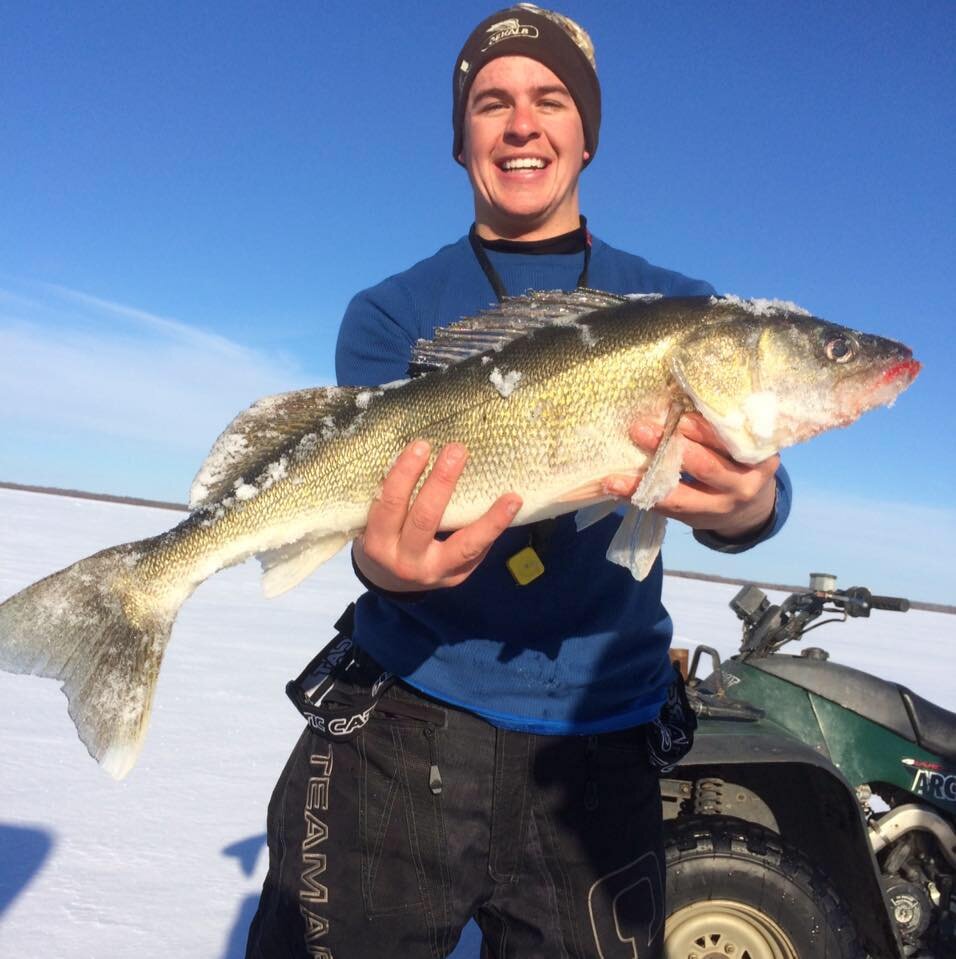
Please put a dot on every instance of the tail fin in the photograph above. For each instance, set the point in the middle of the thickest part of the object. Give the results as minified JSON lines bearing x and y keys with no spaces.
{"x":98,"y":628}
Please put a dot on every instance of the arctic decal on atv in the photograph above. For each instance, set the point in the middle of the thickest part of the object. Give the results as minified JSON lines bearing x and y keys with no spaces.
{"x":935,"y":785}
{"x":932,"y":780}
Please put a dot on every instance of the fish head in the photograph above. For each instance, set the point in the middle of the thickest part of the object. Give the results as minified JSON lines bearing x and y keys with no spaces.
{"x":772,"y":378}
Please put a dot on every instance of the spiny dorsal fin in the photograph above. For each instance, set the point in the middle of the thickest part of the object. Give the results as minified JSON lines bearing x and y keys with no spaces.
{"x":258,"y":437}
{"x":514,"y":317}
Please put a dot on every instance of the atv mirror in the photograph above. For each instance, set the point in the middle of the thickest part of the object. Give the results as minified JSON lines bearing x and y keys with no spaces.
{"x":749,"y":603}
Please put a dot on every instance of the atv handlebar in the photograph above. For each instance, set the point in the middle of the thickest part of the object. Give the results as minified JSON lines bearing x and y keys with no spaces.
{"x":858,"y":601}
{"x":895,"y":604}
{"x":767,"y":627}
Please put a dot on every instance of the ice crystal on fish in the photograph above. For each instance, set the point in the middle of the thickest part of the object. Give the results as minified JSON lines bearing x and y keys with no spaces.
{"x":245,"y":491}
{"x":505,"y":383}
{"x":363,"y":399}
{"x":761,"y":307}
{"x":218,"y":464}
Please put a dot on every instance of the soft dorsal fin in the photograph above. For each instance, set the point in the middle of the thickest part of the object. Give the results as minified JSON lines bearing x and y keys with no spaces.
{"x":514,"y":317}
{"x":258,"y":437}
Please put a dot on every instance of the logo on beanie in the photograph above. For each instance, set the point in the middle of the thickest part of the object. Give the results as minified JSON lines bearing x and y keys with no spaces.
{"x":509,"y":30}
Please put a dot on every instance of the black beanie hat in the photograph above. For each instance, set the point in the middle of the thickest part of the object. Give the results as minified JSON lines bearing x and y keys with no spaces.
{"x":526,"y":30}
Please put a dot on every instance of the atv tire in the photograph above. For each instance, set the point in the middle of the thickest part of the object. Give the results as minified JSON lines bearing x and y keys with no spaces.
{"x":735,"y":890}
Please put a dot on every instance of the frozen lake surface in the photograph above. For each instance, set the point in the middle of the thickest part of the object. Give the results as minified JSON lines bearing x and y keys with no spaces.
{"x":169,"y":862}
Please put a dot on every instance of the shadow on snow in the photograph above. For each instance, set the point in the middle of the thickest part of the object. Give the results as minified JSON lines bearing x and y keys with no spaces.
{"x":246,"y":852}
{"x":23,"y":850}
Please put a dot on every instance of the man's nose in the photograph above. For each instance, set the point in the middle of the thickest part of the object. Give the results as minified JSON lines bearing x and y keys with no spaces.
{"x":523,"y":123}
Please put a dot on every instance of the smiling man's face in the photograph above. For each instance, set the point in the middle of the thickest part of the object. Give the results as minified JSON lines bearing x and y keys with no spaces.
{"x":523,"y":147}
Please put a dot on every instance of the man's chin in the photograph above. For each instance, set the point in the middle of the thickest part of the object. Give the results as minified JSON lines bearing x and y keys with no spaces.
{"x":517,"y":221}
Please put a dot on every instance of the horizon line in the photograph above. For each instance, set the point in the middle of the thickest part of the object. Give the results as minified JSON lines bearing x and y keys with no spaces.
{"x":677,"y":573}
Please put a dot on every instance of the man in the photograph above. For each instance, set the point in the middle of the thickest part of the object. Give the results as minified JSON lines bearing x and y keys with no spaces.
{"x":506,"y":774}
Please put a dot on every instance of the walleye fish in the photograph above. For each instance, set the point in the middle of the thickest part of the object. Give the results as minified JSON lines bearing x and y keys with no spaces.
{"x":542,"y":391}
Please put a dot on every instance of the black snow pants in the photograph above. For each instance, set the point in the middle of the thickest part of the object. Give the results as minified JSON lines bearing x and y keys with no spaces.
{"x":384,"y":845}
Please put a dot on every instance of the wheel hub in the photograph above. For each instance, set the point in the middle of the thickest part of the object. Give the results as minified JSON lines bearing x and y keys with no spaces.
{"x":723,"y":929}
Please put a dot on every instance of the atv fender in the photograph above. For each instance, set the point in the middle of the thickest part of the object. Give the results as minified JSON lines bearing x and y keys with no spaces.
{"x":797,"y":791}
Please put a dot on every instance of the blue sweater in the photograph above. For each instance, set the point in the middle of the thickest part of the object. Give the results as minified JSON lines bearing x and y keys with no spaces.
{"x":583,"y":648}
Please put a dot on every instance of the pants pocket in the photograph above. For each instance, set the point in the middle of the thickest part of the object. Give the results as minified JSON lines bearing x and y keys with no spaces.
{"x":401,"y":827}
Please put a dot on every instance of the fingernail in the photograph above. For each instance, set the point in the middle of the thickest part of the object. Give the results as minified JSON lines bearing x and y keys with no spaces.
{"x":420,"y":448}
{"x":617,"y":487}
{"x":513,"y":507}
{"x":644,"y":434}
{"x":454,"y":454}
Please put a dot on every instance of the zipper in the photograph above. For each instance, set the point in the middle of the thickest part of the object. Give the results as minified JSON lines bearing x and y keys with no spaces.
{"x":434,"y":773}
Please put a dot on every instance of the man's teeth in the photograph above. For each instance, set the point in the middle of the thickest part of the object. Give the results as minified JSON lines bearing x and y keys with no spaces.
{"x":524,"y":163}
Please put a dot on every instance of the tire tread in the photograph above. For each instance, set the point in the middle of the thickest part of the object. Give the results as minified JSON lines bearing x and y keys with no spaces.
{"x":709,"y":836}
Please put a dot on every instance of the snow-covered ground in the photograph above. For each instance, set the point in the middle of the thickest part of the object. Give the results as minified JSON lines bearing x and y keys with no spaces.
{"x":169,"y":862}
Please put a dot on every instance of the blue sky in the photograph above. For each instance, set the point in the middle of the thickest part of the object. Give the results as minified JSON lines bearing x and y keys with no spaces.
{"x":190,"y":194}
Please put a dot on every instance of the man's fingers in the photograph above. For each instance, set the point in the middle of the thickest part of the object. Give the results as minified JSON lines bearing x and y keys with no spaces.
{"x":690,"y":499}
{"x":622,"y":484}
{"x":464,"y":549}
{"x":716,"y":492}
{"x":710,"y":467}
{"x":386,"y":515}
{"x":647,"y":434}
{"x":398,"y":549}
{"x":732,"y":503}
{"x":696,"y":428}
{"x":425,"y":514}
{"x":719,"y":472}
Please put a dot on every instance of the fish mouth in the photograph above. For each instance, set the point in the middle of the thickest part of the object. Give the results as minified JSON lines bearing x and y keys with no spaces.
{"x":906,"y":370}
{"x":888,"y":384}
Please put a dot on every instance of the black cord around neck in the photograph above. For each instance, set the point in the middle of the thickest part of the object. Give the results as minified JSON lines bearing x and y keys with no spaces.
{"x":494,"y":278}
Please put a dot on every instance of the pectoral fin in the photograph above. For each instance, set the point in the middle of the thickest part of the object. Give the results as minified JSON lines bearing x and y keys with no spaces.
{"x":639,"y":537}
{"x":638,"y":541}
{"x":663,"y":472}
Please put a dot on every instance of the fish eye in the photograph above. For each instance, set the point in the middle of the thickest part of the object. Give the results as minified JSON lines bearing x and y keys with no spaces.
{"x":840,"y":349}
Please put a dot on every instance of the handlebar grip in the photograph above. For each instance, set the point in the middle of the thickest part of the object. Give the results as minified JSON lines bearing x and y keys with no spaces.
{"x":894,"y":603}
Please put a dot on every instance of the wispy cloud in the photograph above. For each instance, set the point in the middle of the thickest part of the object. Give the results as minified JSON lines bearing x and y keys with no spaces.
{"x":170,"y":329}
{"x":78,"y":366}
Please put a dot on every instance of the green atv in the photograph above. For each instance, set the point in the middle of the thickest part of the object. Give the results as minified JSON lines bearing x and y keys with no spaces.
{"x":815,"y":816}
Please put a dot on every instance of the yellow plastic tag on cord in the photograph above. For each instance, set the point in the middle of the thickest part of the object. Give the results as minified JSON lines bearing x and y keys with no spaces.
{"x":525,"y":566}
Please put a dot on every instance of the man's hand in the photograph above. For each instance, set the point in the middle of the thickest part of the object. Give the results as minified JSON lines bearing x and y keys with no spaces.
{"x":724,"y":497}
{"x":398,"y":551}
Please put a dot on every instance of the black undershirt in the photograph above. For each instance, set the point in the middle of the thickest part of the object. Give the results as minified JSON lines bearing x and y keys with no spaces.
{"x":573,"y":242}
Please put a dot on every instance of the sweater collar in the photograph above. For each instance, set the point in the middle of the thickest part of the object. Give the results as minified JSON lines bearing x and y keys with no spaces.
{"x":575,"y":241}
